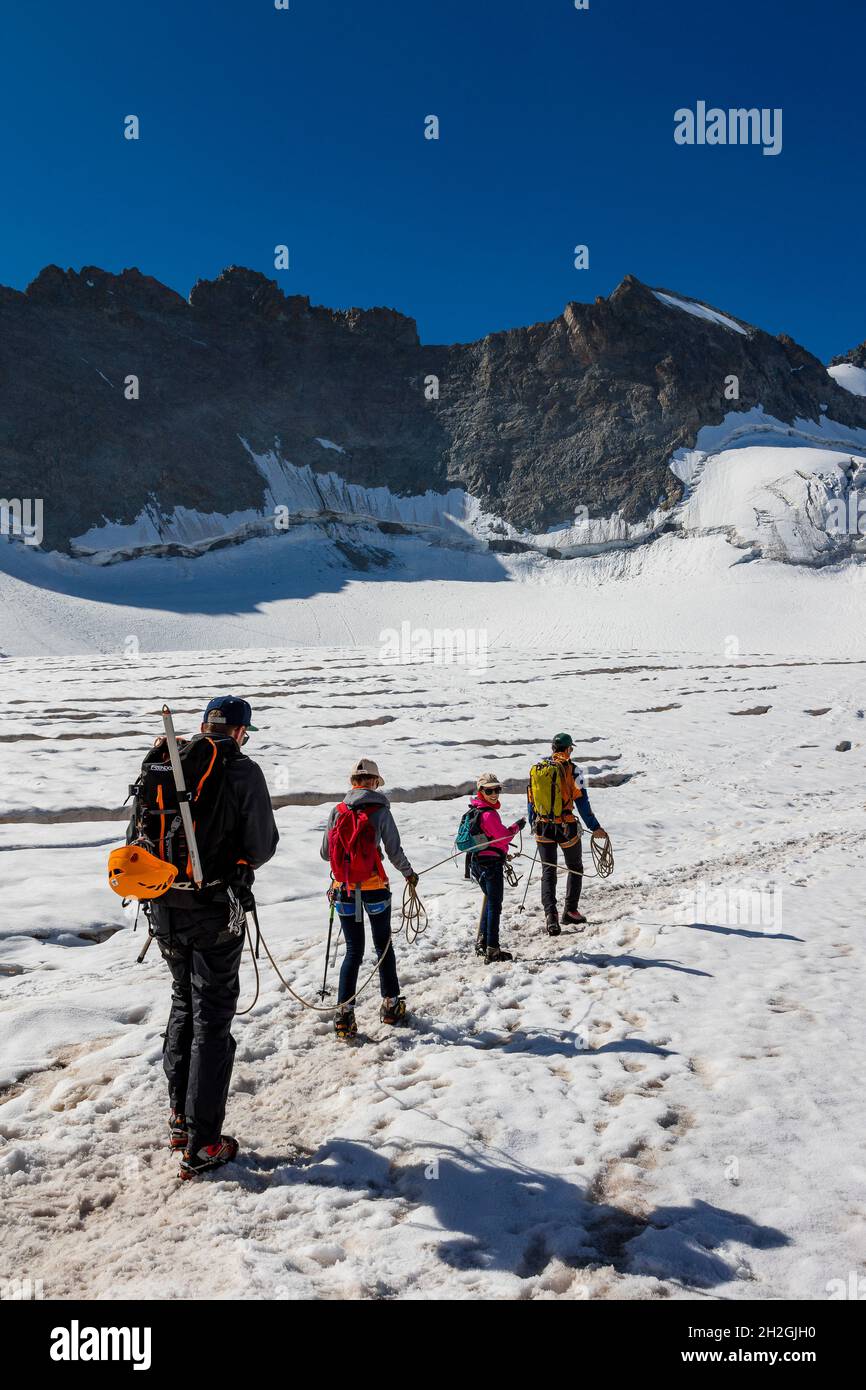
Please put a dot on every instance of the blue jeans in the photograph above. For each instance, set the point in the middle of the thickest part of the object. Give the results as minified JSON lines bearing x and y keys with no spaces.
{"x":377,"y":905}
{"x":489,"y":874}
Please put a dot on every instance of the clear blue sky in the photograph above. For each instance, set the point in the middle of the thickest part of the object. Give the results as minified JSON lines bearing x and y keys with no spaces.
{"x":306,"y":127}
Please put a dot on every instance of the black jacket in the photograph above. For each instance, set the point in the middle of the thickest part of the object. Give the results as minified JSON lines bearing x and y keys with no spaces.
{"x":250,"y":804}
{"x":250,"y":827}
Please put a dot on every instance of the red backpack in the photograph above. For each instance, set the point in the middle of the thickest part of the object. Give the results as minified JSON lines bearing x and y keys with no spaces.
{"x":352,"y":851}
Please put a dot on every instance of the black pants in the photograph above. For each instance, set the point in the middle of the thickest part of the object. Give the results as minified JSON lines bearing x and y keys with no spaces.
{"x":489,"y":873}
{"x":377,"y":905}
{"x":199,"y":1050}
{"x":573,"y":857}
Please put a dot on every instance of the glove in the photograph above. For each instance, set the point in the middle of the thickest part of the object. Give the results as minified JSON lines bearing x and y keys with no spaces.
{"x":242,"y":885}
{"x":521,"y":823}
{"x":412,"y":880}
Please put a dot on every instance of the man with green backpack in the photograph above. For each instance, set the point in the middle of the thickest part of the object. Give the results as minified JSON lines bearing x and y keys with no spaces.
{"x":556,"y":789}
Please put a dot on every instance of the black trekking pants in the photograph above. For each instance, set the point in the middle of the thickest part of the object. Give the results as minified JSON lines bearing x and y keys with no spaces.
{"x":198,"y":1052}
{"x":572,"y":856}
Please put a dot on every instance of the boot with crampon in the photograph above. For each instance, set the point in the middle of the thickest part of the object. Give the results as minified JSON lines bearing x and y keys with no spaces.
{"x":345,"y":1027}
{"x":575,"y":918}
{"x":553,"y":927}
{"x":496,"y":953}
{"x":225,"y":1150}
{"x":393,"y":1010}
{"x":178,"y":1133}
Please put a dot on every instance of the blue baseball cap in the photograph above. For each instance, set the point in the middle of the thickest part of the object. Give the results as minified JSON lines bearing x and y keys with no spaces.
{"x":229,"y":710}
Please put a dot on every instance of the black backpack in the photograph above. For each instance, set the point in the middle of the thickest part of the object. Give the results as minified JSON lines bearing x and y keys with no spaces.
{"x":156,"y":817}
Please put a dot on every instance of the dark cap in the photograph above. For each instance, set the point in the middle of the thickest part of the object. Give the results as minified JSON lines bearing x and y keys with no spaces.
{"x":562,"y":741}
{"x":229,"y":710}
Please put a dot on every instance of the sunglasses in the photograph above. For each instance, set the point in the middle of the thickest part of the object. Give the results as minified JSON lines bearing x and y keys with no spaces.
{"x":491,"y":791}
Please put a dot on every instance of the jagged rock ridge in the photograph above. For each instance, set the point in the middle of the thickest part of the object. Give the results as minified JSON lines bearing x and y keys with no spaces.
{"x":583,"y":411}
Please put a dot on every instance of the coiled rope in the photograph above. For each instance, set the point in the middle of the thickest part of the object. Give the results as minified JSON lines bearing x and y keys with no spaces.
{"x":413,"y":914}
{"x":602,"y":858}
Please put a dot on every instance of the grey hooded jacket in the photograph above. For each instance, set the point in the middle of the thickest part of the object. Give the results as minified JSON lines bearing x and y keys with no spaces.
{"x":378,"y":807}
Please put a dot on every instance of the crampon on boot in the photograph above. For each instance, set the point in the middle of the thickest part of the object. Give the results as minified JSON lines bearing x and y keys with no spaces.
{"x":495,"y":953}
{"x":210,"y":1157}
{"x":576,"y":918}
{"x":480,"y":948}
{"x":553,"y":927}
{"x":178,"y":1134}
{"x":393,"y":1010}
{"x":345,"y":1027}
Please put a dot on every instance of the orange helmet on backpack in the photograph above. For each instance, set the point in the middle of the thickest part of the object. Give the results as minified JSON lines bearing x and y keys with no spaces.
{"x":133,"y":872}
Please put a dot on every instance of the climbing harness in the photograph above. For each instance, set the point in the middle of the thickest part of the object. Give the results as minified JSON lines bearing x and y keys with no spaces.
{"x":552,"y":840}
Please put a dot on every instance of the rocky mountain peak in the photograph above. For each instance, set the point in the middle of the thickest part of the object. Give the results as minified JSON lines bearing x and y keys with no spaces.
{"x":236,"y":292}
{"x":93,"y":288}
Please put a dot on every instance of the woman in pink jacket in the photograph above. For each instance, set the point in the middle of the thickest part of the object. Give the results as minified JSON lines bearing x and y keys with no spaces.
{"x":487,"y":864}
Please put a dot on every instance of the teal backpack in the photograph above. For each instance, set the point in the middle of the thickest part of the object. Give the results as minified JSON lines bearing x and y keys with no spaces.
{"x":470,"y":838}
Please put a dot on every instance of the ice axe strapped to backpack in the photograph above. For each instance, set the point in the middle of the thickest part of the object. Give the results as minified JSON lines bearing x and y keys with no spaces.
{"x":178,"y":836}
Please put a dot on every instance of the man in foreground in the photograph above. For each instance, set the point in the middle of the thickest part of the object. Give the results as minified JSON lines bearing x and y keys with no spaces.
{"x":200,"y":930}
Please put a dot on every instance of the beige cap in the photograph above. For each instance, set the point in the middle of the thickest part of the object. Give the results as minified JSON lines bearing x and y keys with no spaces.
{"x":488,"y":779}
{"x":365,"y":767}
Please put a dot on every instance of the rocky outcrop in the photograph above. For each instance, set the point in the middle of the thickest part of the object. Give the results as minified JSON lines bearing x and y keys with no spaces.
{"x":584,"y":411}
{"x":856,"y":357}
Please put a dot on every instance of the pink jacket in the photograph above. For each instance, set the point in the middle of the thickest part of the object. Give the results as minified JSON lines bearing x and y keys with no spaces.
{"x":490,"y":823}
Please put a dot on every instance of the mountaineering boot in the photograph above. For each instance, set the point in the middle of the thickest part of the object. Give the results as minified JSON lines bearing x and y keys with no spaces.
{"x":480,"y":948}
{"x":576,"y":918}
{"x":177,"y":1130}
{"x":553,"y":927}
{"x":210,"y":1157}
{"x":393,"y":1010}
{"x":495,"y":953}
{"x":345,"y":1026}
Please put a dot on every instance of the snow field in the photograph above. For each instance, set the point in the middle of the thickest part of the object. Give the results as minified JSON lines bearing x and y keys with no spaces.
{"x":665,"y":1105}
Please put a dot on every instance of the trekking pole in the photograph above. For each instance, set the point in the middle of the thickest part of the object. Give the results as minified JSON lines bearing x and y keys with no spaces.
{"x":480,"y":921}
{"x":324,"y":990}
{"x":522,"y":907}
